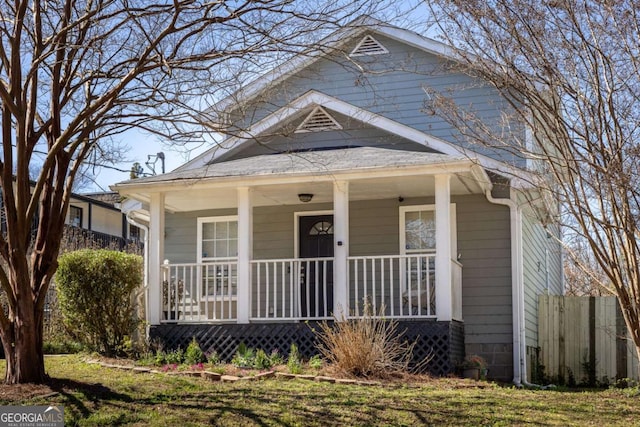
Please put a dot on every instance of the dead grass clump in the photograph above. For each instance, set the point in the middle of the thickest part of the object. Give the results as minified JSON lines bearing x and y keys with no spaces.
{"x":367,"y":347}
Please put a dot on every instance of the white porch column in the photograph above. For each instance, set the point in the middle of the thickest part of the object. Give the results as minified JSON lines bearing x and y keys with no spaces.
{"x":444,"y":308}
{"x":156,"y":256}
{"x":245,"y":248}
{"x":341,"y":248}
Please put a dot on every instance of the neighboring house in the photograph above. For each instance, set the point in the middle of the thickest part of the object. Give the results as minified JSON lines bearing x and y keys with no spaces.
{"x":342,"y":189}
{"x":98,"y":216}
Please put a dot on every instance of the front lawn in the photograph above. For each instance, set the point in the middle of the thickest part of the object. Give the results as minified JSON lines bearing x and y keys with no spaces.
{"x":94,"y":395}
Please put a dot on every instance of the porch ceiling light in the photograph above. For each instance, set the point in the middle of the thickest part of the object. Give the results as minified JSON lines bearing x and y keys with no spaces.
{"x":305,"y":197}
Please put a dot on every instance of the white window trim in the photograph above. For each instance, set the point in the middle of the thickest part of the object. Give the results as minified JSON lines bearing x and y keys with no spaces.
{"x":208,"y":220}
{"x":296,"y":227}
{"x":413,"y":208}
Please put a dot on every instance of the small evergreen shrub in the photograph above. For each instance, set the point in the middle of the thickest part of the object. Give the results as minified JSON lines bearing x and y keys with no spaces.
{"x":316,"y":362}
{"x":194,"y":354}
{"x":95,"y":291}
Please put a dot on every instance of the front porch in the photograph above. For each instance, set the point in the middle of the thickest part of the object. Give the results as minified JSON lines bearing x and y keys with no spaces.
{"x":257,"y":249}
{"x":295,"y":289}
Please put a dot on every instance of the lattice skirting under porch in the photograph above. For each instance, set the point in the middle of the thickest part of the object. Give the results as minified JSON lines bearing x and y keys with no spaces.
{"x":444,"y":341}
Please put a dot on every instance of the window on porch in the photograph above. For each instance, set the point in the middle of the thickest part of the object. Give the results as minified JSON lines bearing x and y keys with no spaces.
{"x":218,"y":274}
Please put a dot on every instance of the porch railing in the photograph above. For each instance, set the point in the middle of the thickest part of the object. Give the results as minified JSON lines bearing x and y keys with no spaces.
{"x":200,"y":292}
{"x":393,"y":286}
{"x":302,"y":289}
{"x":292,"y":289}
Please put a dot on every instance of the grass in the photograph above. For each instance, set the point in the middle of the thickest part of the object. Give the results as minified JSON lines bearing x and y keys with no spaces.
{"x":97,"y":396}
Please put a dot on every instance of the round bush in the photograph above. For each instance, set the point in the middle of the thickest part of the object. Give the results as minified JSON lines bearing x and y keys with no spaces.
{"x":95,"y":289}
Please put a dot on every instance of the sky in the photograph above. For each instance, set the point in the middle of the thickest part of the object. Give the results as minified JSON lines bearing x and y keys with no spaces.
{"x":140,"y":145}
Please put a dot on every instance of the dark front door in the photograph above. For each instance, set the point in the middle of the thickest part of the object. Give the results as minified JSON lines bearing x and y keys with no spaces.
{"x":316,"y":275}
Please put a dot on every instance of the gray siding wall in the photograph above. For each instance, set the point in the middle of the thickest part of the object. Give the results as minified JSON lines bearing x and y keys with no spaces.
{"x":542,"y":268}
{"x":181,"y":230}
{"x":390,"y":85}
{"x":484,"y":245}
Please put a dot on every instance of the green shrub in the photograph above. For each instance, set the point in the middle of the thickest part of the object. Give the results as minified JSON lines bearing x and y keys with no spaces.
{"x":95,"y":291}
{"x":175,"y":357}
{"x":261,"y":361}
{"x":160,"y":358}
{"x":213,"y":358}
{"x":316,"y":362}
{"x":276,"y":358}
{"x":194,"y":353}
{"x":244,"y":357}
{"x":294,"y":363}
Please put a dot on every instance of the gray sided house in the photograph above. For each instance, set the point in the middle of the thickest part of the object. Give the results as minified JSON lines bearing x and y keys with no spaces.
{"x":340,"y":193}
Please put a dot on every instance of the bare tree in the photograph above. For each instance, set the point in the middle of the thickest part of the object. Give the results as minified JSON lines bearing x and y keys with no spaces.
{"x":570,"y":71}
{"x":582,"y":274}
{"x":74,"y":75}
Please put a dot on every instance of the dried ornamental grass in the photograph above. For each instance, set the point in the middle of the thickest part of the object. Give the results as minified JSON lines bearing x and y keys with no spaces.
{"x":367,"y":347}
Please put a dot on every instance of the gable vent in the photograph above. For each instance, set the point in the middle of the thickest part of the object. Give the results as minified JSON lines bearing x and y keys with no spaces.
{"x":318,"y":120}
{"x":369,"y":46}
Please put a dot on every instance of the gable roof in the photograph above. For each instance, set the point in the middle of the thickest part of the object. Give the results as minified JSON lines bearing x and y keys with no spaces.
{"x":334,"y":41}
{"x":312,"y":99}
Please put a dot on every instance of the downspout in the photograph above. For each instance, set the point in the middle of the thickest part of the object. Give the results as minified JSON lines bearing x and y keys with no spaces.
{"x":517,"y":286}
{"x":145,"y":284}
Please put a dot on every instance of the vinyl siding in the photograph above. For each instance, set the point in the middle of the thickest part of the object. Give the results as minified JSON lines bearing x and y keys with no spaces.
{"x":484,"y":244}
{"x":390,"y":85}
{"x":542,"y":268}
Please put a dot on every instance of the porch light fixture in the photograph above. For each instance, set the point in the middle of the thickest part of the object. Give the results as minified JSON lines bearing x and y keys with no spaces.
{"x":305,"y":197}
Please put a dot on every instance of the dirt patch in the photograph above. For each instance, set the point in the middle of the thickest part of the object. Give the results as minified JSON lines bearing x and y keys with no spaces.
{"x":23,"y":392}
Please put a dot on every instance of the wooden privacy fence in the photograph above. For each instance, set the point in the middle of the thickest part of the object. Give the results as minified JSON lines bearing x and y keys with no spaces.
{"x":584,"y":337}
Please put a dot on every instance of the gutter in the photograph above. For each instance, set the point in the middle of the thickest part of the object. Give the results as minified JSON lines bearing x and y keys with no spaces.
{"x":517,"y":286}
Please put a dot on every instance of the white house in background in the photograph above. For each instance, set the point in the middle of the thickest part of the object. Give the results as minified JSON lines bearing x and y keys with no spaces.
{"x":100,"y":213}
{"x":342,"y":189}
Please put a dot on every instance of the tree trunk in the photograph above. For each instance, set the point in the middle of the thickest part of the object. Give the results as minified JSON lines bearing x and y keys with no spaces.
{"x":22,"y":345}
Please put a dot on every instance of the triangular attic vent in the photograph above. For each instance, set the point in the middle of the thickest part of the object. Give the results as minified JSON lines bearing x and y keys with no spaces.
{"x":318,"y":120}
{"x":369,"y":46}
